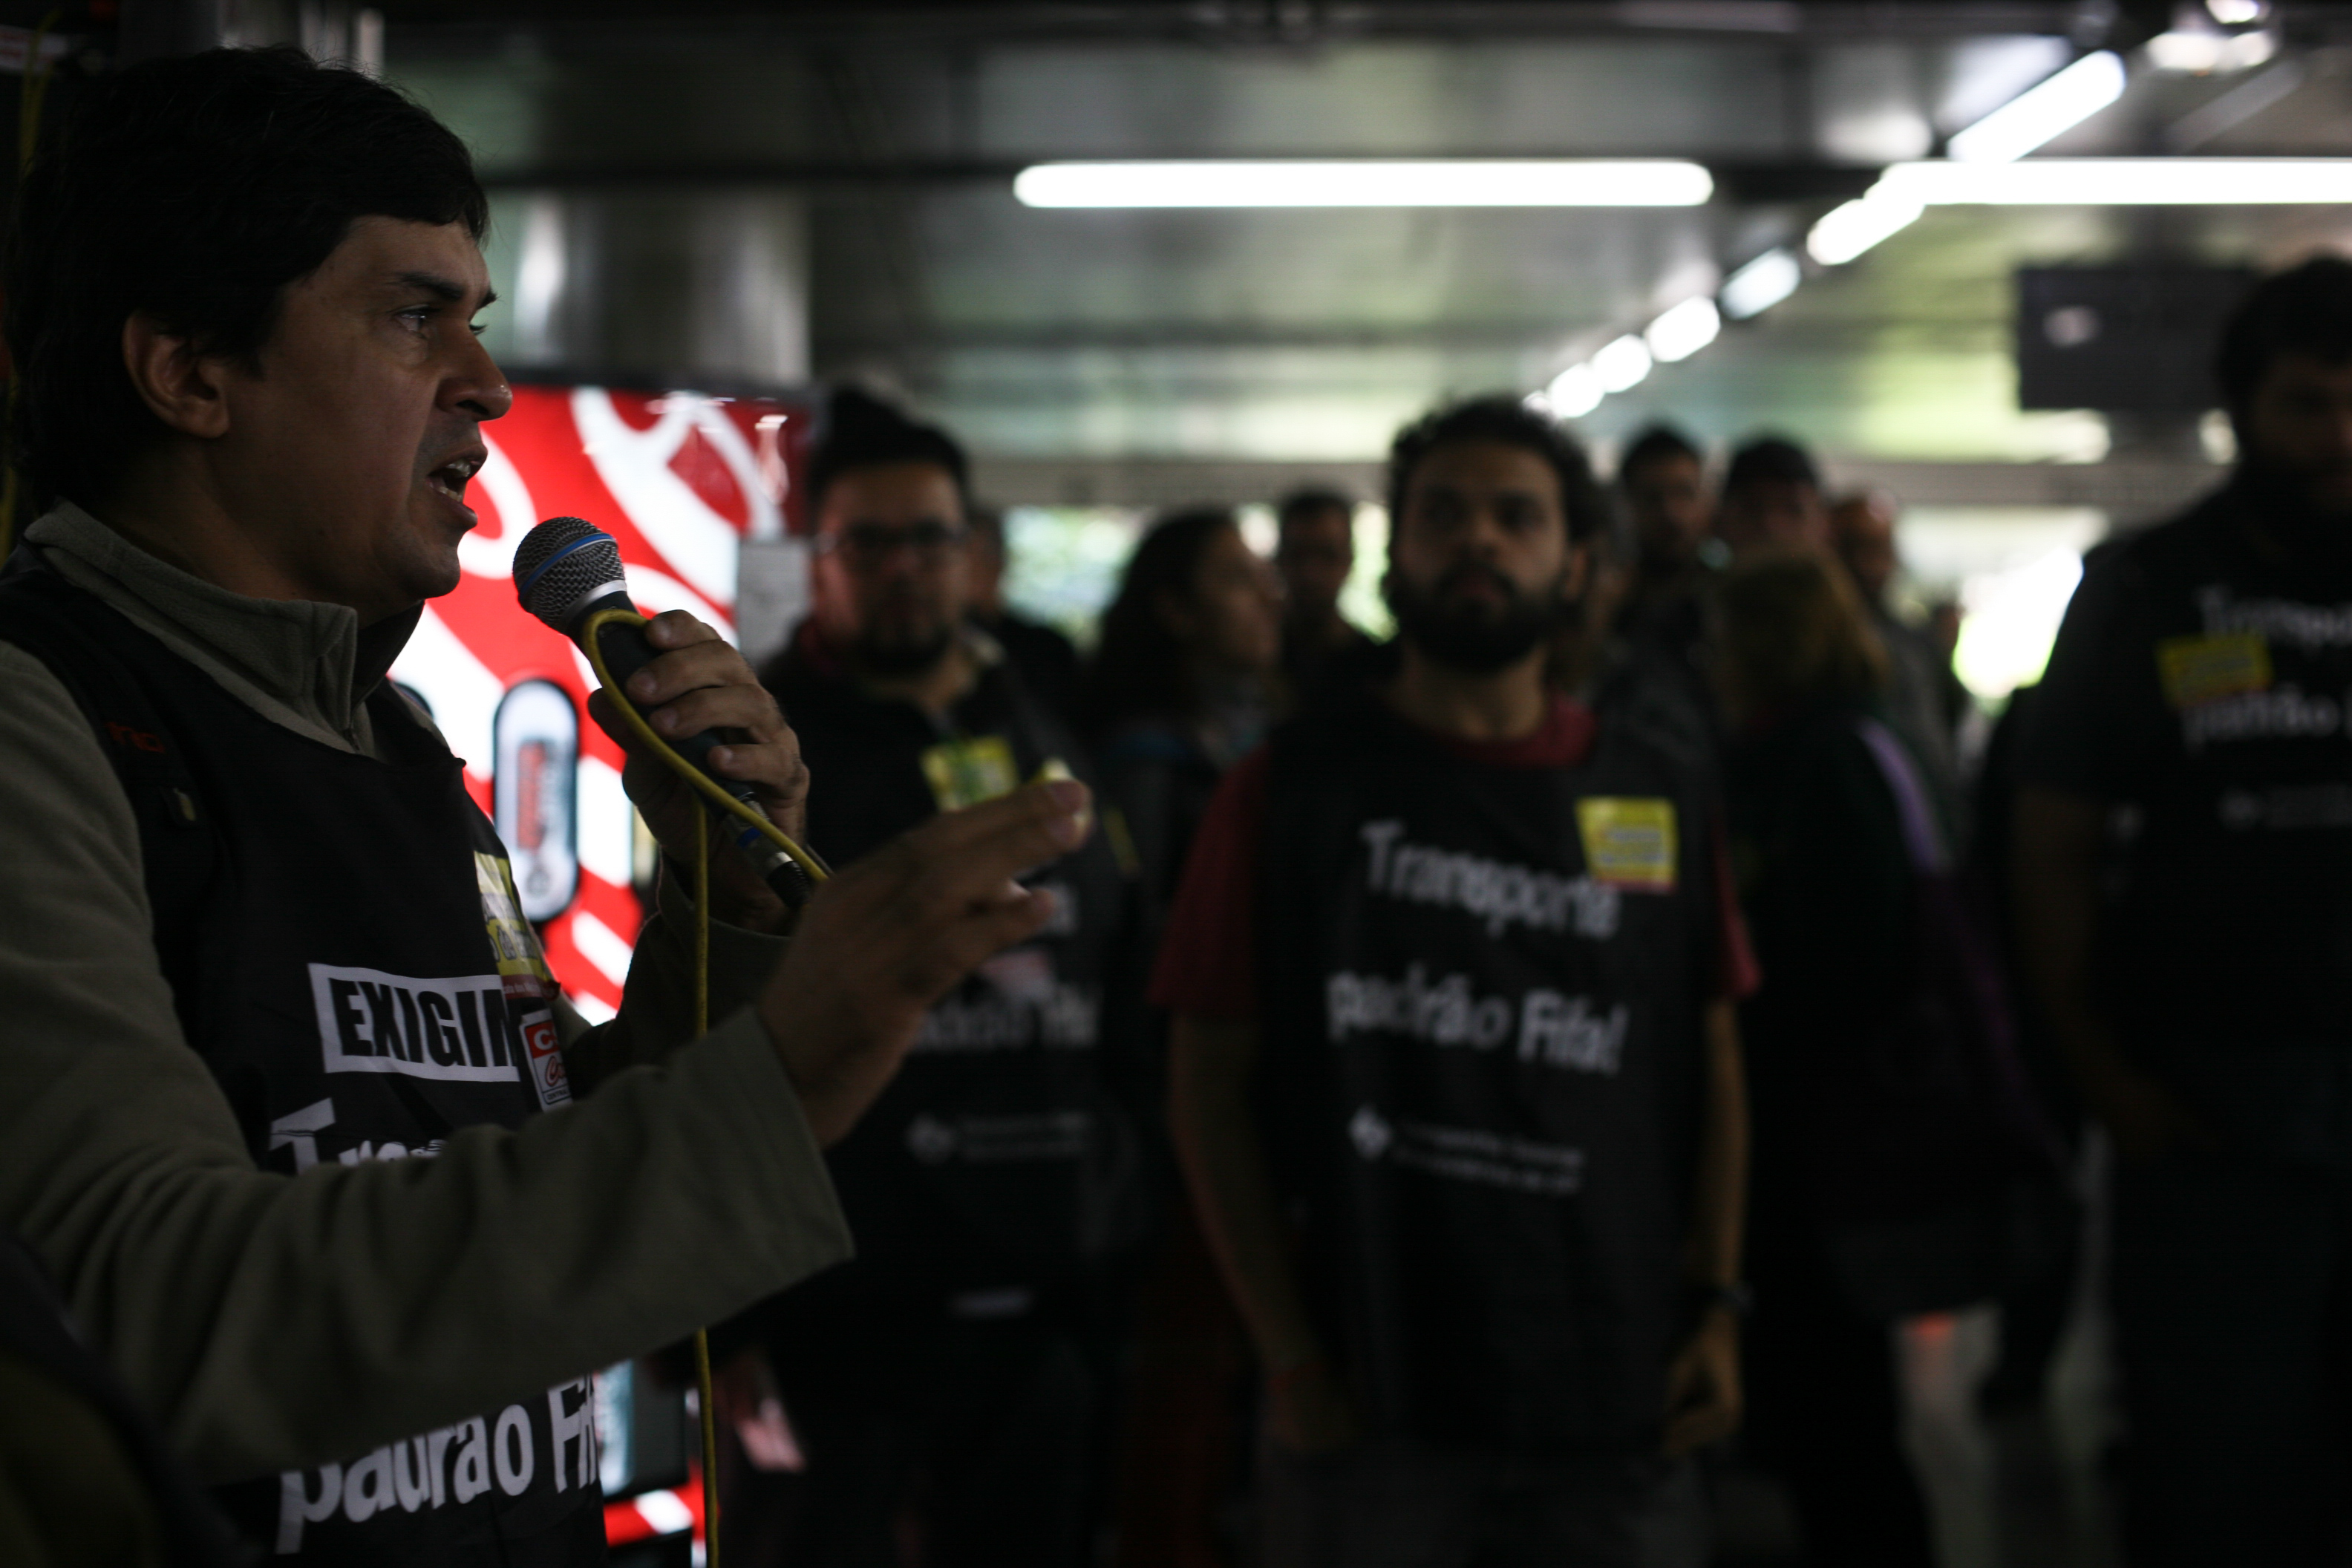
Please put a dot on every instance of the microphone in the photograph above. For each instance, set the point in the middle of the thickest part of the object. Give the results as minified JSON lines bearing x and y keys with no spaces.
{"x":565,"y":570}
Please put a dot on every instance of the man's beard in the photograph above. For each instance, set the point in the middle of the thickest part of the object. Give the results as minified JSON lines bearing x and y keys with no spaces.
{"x":1474,"y":638}
{"x":912,"y":650}
{"x":2284,"y":506}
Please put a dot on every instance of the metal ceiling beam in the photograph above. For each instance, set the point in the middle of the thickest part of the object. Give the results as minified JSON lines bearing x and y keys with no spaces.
{"x":427,"y":27}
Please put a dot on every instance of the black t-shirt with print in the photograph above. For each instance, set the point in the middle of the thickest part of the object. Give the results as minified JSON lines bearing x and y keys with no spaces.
{"x":2200,"y":686}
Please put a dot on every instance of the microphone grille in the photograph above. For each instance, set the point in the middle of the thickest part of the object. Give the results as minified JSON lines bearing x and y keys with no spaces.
{"x":559,"y":561}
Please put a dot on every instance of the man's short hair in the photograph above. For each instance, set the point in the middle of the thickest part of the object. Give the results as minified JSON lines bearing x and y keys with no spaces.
{"x":196,"y":189}
{"x":1310,"y":502}
{"x":1770,"y":459}
{"x":2306,"y":310}
{"x":861,"y":431}
{"x":1507,"y":421}
{"x":1657,"y":444}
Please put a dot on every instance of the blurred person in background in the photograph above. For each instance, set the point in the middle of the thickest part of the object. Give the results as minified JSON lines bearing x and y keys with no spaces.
{"x":1470,"y":1160}
{"x":940,"y":1384}
{"x":1645,"y":617}
{"x":2183,"y":872}
{"x":2034,"y":1309}
{"x":1179,"y":690}
{"x":1046,"y":660}
{"x":1862,"y":530}
{"x":1772,"y":499}
{"x":1315,"y":552}
{"x":1663,"y":478}
{"x":1826,"y":884}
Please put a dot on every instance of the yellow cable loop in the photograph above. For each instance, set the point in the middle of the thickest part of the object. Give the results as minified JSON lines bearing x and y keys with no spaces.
{"x":693,"y":775}
{"x":800,"y":858}
{"x":708,"y":1402}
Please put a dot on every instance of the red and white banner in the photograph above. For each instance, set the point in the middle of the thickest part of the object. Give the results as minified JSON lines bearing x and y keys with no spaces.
{"x":680,"y":480}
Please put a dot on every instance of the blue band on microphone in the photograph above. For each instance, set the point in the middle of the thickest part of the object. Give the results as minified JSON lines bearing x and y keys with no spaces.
{"x":597,"y":536}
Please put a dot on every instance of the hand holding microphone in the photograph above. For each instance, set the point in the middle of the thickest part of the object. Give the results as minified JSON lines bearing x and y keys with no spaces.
{"x":697,"y":693}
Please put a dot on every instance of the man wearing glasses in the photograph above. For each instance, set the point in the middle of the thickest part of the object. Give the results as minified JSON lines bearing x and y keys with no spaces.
{"x":942,"y":1376}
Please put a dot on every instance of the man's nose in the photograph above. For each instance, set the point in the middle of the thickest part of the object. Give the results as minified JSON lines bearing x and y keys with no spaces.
{"x":476,"y":385}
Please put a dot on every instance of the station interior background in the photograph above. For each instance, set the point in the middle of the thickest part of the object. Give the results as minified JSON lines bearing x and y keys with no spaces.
{"x":720,"y":205}
{"x":712,"y":194}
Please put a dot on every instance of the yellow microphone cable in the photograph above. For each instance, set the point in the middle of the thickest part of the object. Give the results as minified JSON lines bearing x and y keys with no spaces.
{"x":809,"y":865}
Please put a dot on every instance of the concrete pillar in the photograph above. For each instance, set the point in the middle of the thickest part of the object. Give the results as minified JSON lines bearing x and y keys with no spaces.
{"x":696,"y":289}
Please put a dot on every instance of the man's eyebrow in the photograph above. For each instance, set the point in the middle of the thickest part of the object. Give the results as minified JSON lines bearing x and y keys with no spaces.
{"x":447,"y":289}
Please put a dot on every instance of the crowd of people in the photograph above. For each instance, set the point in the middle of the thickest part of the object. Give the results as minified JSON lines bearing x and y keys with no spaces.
{"x":1520,"y":1054}
{"x":1409,"y":1101}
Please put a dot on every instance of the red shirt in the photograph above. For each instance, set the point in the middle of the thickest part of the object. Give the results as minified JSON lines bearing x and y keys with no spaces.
{"x":1208,"y":962}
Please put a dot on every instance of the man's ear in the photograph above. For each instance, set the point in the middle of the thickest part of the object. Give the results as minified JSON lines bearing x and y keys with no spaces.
{"x":1578,"y":575}
{"x":183,"y":388}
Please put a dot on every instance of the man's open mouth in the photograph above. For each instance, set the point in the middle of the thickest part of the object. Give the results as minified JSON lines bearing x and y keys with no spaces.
{"x":451,"y":476}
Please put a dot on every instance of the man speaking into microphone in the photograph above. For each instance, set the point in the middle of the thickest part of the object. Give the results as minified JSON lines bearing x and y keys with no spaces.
{"x":359,"y":1286}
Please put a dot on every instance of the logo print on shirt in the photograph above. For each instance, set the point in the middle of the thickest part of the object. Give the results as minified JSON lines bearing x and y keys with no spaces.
{"x":459,"y":1030}
{"x":1493,"y":892}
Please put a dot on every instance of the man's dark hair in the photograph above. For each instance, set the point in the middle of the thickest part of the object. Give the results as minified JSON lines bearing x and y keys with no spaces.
{"x":2306,"y":310}
{"x":1767,"y":459}
{"x":1504,"y":419}
{"x":196,"y":189}
{"x":1310,"y":501}
{"x":1656,"y":444}
{"x":861,"y":431}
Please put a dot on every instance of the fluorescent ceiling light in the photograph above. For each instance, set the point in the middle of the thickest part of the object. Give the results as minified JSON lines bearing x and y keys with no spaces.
{"x":2038,"y":113}
{"x":1845,"y":232}
{"x":1760,"y":284}
{"x":2204,"y":51}
{"x":2118,"y":182}
{"x":1621,"y":364}
{"x":1368,"y":182}
{"x":1574,"y":391}
{"x":1684,"y":331}
{"x":2234,"y":13}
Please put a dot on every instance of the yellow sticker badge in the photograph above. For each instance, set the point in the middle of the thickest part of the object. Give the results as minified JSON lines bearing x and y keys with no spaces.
{"x":2197,"y":670}
{"x":967,"y":771}
{"x":529,"y":984}
{"x":512,"y":937}
{"x":1628,"y":842}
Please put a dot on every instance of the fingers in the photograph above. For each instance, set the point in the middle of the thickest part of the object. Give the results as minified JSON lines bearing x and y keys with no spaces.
{"x":679,"y":628}
{"x":969,"y":855}
{"x":688,"y":655}
{"x":965,"y":941}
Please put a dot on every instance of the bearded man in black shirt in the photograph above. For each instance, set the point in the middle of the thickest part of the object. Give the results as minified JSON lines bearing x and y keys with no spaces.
{"x":2184,"y":898}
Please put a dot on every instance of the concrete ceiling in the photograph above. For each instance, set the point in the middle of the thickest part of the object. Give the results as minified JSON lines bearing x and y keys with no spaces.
{"x":1278,"y":335}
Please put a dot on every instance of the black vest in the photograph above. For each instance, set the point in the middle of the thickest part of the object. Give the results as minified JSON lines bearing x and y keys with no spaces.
{"x":345,"y":952}
{"x":1481,"y":990}
{"x":990,"y":1168}
{"x":2231,"y":917}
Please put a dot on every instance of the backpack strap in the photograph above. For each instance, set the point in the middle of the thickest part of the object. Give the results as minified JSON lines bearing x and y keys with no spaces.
{"x":67,"y":629}
{"x":1923,"y":840}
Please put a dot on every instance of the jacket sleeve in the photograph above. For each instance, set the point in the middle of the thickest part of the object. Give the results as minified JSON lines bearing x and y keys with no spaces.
{"x":272,"y":1321}
{"x":657,"y":1004}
